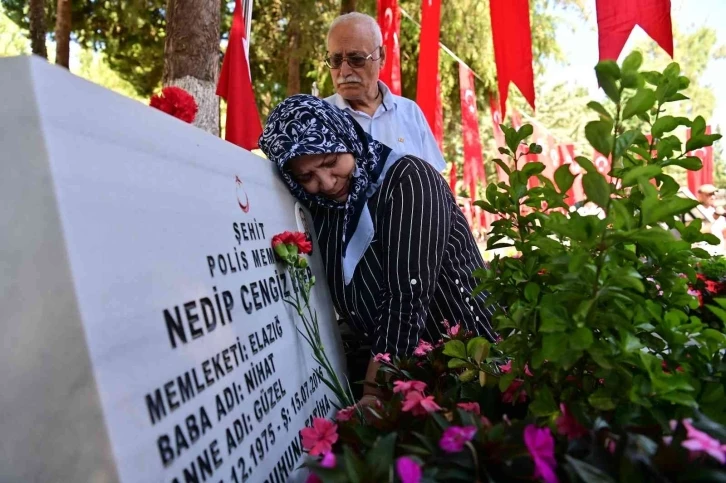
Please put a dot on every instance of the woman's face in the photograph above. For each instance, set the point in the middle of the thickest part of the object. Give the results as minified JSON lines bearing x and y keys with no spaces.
{"x":324,"y":174}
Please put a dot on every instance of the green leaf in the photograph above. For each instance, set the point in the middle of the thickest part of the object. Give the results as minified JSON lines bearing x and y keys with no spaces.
{"x":457,"y":363}
{"x":564,"y":178}
{"x":602,"y":400}
{"x":524,"y":132}
{"x":468,"y":375}
{"x":608,"y":73}
{"x":632,"y":62}
{"x":505,"y":381}
{"x":652,"y":78}
{"x":673,"y":70}
{"x":380,"y":458}
{"x":543,"y":403}
{"x":532,"y":168}
{"x":581,"y":339}
{"x":663,"y":125}
{"x":600,"y":109}
{"x":353,"y":465}
{"x":648,"y":171}
{"x":531,"y":291}
{"x":679,"y":397}
{"x":691,"y":163}
{"x":643,"y":100}
{"x":478,"y":348}
{"x":552,"y":345}
{"x":699,"y":141}
{"x":503,"y":165}
{"x":587,"y":472}
{"x":663,"y":210}
{"x":455,"y":348}
{"x":599,"y":135}
{"x":586,"y":164}
{"x":596,"y":189}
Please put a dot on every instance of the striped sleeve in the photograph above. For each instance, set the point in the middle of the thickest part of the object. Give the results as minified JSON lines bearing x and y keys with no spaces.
{"x":415,"y":231}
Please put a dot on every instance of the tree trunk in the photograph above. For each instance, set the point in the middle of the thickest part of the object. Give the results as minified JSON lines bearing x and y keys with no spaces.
{"x":37,"y":28}
{"x":347,"y":6}
{"x":191,"y":55}
{"x":293,"y":61}
{"x":63,"y":33}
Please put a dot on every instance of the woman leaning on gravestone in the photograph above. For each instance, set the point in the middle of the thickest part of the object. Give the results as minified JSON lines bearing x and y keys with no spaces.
{"x":397,"y":250}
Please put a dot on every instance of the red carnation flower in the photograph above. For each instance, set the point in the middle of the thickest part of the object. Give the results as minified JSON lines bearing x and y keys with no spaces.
{"x":176,"y":102}
{"x":296,"y":238}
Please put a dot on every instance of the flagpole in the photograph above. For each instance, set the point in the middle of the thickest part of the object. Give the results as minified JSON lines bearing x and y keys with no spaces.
{"x":247,"y":13}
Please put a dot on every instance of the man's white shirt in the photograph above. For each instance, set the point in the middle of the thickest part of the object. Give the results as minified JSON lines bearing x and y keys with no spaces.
{"x":399,"y":124}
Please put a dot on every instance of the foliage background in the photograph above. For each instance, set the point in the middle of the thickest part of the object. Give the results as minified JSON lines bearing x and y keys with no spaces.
{"x":127,"y":41}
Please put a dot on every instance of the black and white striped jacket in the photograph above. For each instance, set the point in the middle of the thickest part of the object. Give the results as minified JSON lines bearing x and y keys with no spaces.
{"x":416,"y":272}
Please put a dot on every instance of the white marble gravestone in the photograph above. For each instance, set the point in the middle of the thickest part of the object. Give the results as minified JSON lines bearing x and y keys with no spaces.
{"x":143,"y":334}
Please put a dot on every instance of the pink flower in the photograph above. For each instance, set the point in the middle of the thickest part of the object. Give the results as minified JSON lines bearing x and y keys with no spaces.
{"x":506,"y":368}
{"x":513,"y":394}
{"x":471,"y":407}
{"x":454,"y":331}
{"x":328,"y":461}
{"x":527,"y":371}
{"x":345,"y":414}
{"x":455,"y":437}
{"x":541,"y":446}
{"x":568,"y":425}
{"x":419,"y":405}
{"x":485,"y":422}
{"x":408,"y":470}
{"x":700,"y":442}
{"x":697,"y":294}
{"x":407,"y":386}
{"x":320,"y":438}
{"x":382,"y":358}
{"x":423,"y":348}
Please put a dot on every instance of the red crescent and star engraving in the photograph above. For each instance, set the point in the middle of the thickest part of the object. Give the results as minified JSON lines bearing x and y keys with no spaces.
{"x":246,"y":205}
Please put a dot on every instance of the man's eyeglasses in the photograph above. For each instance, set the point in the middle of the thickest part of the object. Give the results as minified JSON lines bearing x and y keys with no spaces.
{"x":335,"y":61}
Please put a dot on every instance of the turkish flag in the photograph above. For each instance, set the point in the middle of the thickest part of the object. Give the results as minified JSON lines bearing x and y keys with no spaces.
{"x":704,"y":175}
{"x":453,"y":178}
{"x":243,"y":126}
{"x":389,"y":19}
{"x":567,"y":156}
{"x":512,"y":36}
{"x":428,"y":60}
{"x":473,"y":160}
{"x":617,"y":18}
{"x":496,"y":113}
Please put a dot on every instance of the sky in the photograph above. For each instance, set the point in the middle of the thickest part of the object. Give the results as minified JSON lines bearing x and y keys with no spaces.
{"x":577,"y":38}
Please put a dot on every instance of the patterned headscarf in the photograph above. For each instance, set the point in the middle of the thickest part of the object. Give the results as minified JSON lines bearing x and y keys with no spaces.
{"x":304,"y":124}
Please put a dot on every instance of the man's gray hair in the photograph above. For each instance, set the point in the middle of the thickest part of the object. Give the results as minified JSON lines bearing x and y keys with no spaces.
{"x":362,"y":19}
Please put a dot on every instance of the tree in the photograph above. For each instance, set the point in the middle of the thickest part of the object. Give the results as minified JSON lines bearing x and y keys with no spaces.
{"x":63,"y":33}
{"x":191,"y":55}
{"x":694,"y":51}
{"x":347,"y":6}
{"x":130,"y":34}
{"x":12,"y":41}
{"x":37,"y":28}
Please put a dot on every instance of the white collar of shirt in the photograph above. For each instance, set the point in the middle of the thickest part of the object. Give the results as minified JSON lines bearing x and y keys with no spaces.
{"x":388,"y":103}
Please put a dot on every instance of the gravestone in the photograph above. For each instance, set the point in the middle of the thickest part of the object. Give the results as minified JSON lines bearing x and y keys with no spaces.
{"x":144,"y":335}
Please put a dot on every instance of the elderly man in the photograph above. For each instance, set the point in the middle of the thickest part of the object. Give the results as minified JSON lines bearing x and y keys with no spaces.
{"x":707,"y":197}
{"x":355,"y":58}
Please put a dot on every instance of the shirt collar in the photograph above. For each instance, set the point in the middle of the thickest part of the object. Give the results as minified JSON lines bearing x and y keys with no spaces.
{"x":389,"y":100}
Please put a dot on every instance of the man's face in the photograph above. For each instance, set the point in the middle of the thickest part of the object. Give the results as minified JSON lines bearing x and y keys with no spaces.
{"x":707,"y":199}
{"x":355,"y":83}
